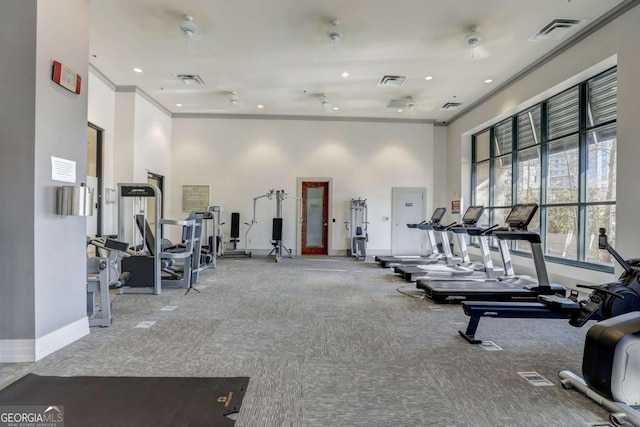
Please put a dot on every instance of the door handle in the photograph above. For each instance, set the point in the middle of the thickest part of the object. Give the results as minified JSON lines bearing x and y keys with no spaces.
{"x":325,"y":224}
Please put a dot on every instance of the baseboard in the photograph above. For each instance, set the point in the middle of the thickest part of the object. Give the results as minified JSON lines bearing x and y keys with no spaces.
{"x":32,"y":350}
{"x":62,"y":337}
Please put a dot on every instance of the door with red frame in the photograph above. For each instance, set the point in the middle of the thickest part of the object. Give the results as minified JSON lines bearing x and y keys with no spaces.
{"x":315,"y":218}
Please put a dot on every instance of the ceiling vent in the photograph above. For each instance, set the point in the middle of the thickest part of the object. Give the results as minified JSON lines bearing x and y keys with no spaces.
{"x":391,"y":81}
{"x":451,"y":106}
{"x":559,"y":29}
{"x":402,"y":103}
{"x":190,"y":79}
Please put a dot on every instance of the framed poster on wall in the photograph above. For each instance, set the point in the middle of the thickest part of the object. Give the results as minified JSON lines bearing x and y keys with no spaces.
{"x":195,"y":198}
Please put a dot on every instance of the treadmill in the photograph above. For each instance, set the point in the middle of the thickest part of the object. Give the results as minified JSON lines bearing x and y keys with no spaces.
{"x":451,"y":270}
{"x":391,"y":261}
{"x":510,"y":287}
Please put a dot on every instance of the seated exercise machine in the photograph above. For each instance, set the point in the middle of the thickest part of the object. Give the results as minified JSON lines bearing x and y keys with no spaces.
{"x":357,"y":228}
{"x":102,"y":274}
{"x":509,"y":287}
{"x":394,"y":260}
{"x":153,"y":265}
{"x":208,"y":243}
{"x":449,"y":269}
{"x":611,"y":368}
{"x":230,"y":248}
{"x":606,"y":301}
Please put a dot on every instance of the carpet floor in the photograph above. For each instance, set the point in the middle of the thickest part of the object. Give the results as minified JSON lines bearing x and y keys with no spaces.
{"x":327,"y":341}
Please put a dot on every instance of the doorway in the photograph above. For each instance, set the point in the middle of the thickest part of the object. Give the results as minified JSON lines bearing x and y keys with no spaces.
{"x":94,"y":177}
{"x":315,"y":217}
{"x":408,"y":207}
{"x":158,"y":181}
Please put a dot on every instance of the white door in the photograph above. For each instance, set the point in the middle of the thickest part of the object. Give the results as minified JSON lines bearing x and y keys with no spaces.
{"x":408,"y":207}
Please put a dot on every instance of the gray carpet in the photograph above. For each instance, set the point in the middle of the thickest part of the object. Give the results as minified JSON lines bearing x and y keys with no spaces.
{"x":334,"y":348}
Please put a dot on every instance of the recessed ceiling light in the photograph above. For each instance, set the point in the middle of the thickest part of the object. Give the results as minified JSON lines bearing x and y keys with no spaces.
{"x":137,"y":70}
{"x":261,"y":106}
{"x":428,"y":78}
{"x":400,"y":110}
{"x":336,"y":108}
{"x":489,"y":81}
{"x":345,"y":74}
{"x":178,"y":105}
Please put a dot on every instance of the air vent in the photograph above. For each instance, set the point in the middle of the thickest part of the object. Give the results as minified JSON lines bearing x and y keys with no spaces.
{"x":559,"y":29}
{"x":391,"y":81}
{"x":451,"y":106}
{"x":401,"y":103}
{"x":190,"y":79}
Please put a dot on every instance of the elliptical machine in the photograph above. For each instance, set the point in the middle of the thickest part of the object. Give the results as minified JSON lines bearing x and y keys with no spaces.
{"x":611,"y":358}
{"x":611,"y":368}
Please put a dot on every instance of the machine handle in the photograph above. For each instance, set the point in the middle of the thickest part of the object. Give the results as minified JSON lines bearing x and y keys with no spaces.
{"x":490,"y":229}
{"x":600,"y":288}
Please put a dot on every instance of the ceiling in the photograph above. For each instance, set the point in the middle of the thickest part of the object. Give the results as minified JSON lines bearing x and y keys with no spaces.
{"x":277,"y":53}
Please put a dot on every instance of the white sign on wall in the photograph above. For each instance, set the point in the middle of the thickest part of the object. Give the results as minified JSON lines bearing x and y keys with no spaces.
{"x":195,"y":198}
{"x":63,"y":170}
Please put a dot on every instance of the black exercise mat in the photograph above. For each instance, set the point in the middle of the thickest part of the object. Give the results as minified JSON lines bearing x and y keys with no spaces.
{"x":132,"y":401}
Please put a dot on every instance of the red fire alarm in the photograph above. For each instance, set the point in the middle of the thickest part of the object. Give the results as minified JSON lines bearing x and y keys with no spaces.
{"x":66,"y":77}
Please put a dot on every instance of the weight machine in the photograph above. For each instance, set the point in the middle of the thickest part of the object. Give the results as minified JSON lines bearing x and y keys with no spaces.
{"x":279,"y":249}
{"x":208,"y":243}
{"x":357,"y":228}
{"x":151,"y":258}
{"x":103,"y":273}
{"x":234,"y":238}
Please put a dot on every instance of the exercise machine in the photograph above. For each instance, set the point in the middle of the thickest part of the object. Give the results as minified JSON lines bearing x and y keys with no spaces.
{"x":103,"y":274}
{"x":606,"y":301}
{"x":208,"y":241}
{"x":230,"y":248}
{"x":357,"y":228}
{"x":509,"y":287}
{"x":392,"y":261}
{"x":279,"y":249}
{"x":465,"y":268}
{"x":611,"y":368}
{"x":152,"y":265}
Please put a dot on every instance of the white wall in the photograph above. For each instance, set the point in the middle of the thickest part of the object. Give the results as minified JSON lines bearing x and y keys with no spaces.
{"x":142,"y":143}
{"x":60,"y":297}
{"x":594,"y":53}
{"x":152,"y":141}
{"x":124,"y":127}
{"x":440,"y":194}
{"x":244,"y":158}
{"x":101,"y":112}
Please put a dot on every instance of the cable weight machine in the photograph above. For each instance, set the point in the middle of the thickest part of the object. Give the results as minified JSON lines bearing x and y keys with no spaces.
{"x":279,"y":249}
{"x":357,"y":228}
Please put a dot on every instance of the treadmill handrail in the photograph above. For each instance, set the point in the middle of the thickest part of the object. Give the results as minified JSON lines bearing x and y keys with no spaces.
{"x":480,"y":231}
{"x":529,"y":236}
{"x":427,"y":226}
{"x":439,"y":227}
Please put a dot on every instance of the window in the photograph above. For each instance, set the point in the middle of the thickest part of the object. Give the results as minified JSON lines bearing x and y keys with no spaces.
{"x":560,"y":154}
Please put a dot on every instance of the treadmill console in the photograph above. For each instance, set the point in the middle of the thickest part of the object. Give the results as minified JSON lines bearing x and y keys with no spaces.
{"x":472,"y":215}
{"x":521,"y":215}
{"x":437,"y":216}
